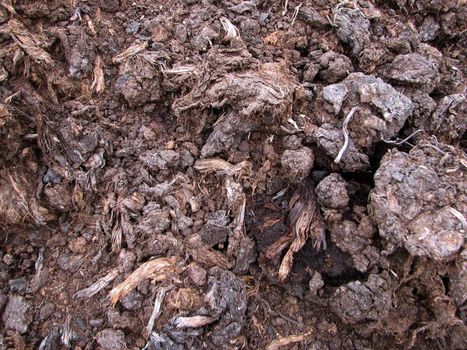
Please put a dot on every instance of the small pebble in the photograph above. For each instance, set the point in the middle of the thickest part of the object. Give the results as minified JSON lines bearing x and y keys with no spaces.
{"x":18,"y":285}
{"x":8,"y":259}
{"x":197,"y":274}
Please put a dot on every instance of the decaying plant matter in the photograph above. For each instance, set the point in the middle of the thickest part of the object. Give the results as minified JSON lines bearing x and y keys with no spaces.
{"x":31,"y":43}
{"x":241,"y":174}
{"x":303,"y":222}
{"x":156,"y":270}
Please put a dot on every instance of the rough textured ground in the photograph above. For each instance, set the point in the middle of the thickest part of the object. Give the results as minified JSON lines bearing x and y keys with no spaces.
{"x":233,"y":174}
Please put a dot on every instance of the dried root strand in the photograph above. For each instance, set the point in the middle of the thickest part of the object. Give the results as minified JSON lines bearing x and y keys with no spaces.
{"x":208,"y":257}
{"x":180,"y":70}
{"x":221,"y":166}
{"x":193,"y":321}
{"x":286,"y":8}
{"x":212,"y":164}
{"x":231,"y":30}
{"x":31,"y":43}
{"x":67,"y":332}
{"x":132,"y":50}
{"x":40,"y":277}
{"x":92,"y":28}
{"x":404,"y":140}
{"x":40,"y":260}
{"x":154,"y":341}
{"x":51,"y":339}
{"x":116,"y":238}
{"x":98,"y":82}
{"x":295,"y":14}
{"x":155,"y":58}
{"x":4,"y":111}
{"x":156,"y":312}
{"x":281,"y":343}
{"x":459,"y":216}
{"x":14,"y":205}
{"x":97,"y":286}
{"x":304,"y":222}
{"x":7,"y":4}
{"x":346,"y":135}
{"x":157,"y":270}
{"x":181,"y":73}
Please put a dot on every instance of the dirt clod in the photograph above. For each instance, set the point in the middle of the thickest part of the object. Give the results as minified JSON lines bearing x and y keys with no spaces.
{"x":297,"y":164}
{"x":17,"y":314}
{"x":197,"y":274}
{"x":412,"y":68}
{"x":111,"y":339}
{"x":332,"y":191}
{"x":368,"y":302}
{"x":420,"y":207}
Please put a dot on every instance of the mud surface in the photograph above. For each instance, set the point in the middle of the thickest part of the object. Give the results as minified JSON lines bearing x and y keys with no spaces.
{"x":233,"y":174}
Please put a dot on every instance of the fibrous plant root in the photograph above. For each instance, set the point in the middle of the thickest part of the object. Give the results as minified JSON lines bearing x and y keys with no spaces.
{"x":157,"y":270}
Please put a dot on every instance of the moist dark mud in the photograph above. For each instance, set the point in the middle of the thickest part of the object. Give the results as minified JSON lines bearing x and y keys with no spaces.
{"x":233,"y":174}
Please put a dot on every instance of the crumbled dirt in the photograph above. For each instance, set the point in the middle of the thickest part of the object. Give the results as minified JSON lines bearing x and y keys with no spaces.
{"x":210,"y":174}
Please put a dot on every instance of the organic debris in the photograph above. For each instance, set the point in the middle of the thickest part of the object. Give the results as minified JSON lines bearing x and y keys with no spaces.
{"x":287,"y":341}
{"x":346,"y":135}
{"x":304,"y":222}
{"x":97,"y":286}
{"x":234,"y":174}
{"x":156,"y":270}
{"x":230,"y":30}
{"x":130,"y":51}
{"x":31,"y":43}
{"x":98,"y":82}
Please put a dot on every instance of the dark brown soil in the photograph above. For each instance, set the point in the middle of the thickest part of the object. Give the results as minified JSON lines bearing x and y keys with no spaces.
{"x":209,"y":174}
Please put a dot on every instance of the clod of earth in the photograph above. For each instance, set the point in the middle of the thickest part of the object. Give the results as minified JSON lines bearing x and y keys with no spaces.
{"x":17,"y":314}
{"x":418,"y":203}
